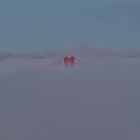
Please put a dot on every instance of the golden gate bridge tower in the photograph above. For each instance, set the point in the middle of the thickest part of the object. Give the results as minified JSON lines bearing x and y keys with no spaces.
{"x":67,"y":61}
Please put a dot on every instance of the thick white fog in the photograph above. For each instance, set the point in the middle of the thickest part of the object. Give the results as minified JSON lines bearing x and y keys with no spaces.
{"x":95,"y":100}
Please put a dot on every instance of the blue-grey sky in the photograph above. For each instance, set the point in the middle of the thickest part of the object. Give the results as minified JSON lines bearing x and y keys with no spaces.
{"x":28,"y":25}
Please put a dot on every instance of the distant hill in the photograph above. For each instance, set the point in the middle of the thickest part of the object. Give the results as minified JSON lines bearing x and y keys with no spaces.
{"x":79,"y":50}
{"x":82,"y":50}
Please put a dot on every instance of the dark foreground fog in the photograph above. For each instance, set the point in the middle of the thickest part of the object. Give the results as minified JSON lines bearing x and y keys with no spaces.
{"x":96,"y":100}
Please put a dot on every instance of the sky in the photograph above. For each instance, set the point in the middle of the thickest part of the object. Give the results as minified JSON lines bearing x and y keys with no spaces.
{"x":30,"y":25}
